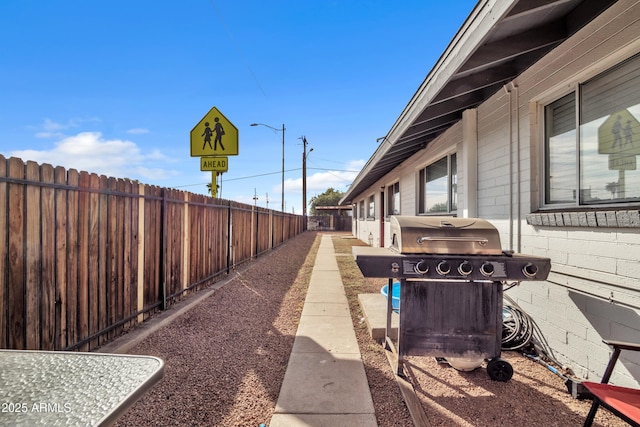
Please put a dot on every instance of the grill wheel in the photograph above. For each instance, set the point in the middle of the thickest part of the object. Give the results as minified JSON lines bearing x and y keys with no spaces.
{"x":499,"y":370}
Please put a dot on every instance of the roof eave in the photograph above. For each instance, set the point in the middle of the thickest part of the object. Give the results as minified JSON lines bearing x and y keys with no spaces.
{"x":484,"y":16}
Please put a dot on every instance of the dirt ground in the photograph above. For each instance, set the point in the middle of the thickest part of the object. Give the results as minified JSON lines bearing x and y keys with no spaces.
{"x":226,"y":357}
{"x":533,"y":396}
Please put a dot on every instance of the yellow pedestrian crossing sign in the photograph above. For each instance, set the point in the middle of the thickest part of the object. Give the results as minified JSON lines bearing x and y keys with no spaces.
{"x":214,"y":135}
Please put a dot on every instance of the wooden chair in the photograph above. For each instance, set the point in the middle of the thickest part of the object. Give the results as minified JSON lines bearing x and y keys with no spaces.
{"x":621,"y":401}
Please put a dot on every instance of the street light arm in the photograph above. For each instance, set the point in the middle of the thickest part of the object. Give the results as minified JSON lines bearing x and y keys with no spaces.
{"x":277,"y":130}
{"x":270,"y":127}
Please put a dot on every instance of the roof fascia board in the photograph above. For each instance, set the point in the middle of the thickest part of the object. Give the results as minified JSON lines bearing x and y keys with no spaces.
{"x":469,"y":38}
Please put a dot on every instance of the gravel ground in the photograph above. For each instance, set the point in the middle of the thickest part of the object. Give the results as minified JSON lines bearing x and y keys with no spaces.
{"x":225,"y":359}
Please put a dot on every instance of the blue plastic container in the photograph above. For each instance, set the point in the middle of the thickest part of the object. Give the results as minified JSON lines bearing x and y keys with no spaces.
{"x":395,"y":295}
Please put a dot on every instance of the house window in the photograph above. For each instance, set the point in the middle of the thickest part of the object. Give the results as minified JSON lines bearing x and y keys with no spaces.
{"x":372,"y":208}
{"x":361,"y":209}
{"x":438,"y":187}
{"x":592,"y":140}
{"x":393,"y":199}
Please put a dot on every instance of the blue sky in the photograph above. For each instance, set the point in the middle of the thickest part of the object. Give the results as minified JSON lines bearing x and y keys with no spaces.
{"x":115,"y":87}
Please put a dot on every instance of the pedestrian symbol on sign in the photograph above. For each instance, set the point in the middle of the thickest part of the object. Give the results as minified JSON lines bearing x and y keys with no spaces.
{"x":218,"y":129}
{"x":207,"y":135}
{"x":214,"y":135}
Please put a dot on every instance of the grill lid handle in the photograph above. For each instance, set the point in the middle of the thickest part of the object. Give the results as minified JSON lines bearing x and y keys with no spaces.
{"x":479,"y":240}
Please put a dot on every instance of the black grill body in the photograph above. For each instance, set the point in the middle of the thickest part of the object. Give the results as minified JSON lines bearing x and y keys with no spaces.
{"x":450,"y":302}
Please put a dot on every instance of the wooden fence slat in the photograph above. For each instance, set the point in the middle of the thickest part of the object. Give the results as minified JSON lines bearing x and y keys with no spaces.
{"x":149,"y":252}
{"x":33,"y":257}
{"x":83,"y":259}
{"x":16,"y":291}
{"x":60,"y":201}
{"x":127,"y":252}
{"x":112,"y":254}
{"x":103,"y":264}
{"x":72,"y":284}
{"x":169,"y":244}
{"x":4,"y":214}
{"x":93,"y":294}
{"x":135,"y":213}
{"x":176,"y":243}
{"x":48,"y":324}
{"x":119,"y":288}
{"x":194,"y":242}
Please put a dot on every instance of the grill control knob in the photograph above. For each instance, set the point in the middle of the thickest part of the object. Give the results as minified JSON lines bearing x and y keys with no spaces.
{"x":465,"y":268}
{"x":443,"y":268}
{"x":487,"y":269}
{"x":421,"y":267}
{"x":530,"y":270}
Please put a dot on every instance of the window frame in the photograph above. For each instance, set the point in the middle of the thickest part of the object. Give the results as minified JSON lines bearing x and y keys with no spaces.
{"x":371,"y":207}
{"x":579,"y":203}
{"x":393,"y":193}
{"x":451,"y":182}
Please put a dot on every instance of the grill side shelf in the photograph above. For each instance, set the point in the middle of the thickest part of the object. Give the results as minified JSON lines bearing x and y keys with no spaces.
{"x":385,"y":263}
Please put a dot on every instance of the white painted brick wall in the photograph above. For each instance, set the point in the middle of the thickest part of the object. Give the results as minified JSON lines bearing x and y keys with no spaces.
{"x":599,"y":261}
{"x":589,"y":264}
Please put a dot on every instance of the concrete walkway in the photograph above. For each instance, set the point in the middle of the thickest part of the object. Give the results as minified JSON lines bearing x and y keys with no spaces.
{"x":325,"y":383}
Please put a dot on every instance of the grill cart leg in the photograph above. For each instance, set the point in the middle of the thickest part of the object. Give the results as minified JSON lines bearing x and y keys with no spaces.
{"x":388,"y":340}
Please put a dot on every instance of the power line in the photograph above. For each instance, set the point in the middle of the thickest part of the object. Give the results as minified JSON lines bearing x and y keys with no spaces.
{"x":235,"y":46}
{"x":269,"y":173}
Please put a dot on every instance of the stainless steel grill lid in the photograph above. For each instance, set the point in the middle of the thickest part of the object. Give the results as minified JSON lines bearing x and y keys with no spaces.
{"x":444,"y":235}
{"x":447,"y":248}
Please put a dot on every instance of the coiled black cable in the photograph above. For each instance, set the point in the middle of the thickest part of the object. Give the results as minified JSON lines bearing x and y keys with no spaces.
{"x":517,"y":328}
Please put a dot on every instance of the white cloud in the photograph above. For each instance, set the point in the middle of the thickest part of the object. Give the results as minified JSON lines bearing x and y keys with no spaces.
{"x":89,"y":151}
{"x":51,"y":126}
{"x":53,"y":129}
{"x":320,"y":181}
{"x":138,"y":131}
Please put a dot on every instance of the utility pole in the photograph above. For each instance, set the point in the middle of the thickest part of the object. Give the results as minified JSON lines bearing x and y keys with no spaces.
{"x":304,"y":181}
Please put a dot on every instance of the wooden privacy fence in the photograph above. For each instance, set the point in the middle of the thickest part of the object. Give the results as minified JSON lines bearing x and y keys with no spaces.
{"x":84,"y":257}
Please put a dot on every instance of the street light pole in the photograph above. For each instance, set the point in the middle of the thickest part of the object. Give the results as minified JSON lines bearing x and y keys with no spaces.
{"x":277,"y":130}
{"x":282,"y":208}
{"x":304,"y":178}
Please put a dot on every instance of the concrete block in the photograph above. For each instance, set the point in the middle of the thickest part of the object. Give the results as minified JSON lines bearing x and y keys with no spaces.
{"x":374,"y":308}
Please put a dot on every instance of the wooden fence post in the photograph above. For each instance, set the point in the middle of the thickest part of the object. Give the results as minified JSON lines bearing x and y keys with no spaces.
{"x":185,"y":244}
{"x":163,"y":250}
{"x":141,"y":233}
{"x":3,"y":254}
{"x":229,"y":236}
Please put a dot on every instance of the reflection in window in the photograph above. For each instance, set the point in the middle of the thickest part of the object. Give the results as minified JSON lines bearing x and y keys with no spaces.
{"x":393,"y":195}
{"x":608,"y":141}
{"x":372,"y":207}
{"x":561,"y":153}
{"x":438,"y":186}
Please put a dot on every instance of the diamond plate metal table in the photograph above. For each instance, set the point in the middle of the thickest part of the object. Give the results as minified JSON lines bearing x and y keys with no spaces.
{"x":56,"y":388}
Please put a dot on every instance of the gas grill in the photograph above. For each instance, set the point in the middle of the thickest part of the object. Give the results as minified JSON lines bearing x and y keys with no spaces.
{"x":451,"y":272}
